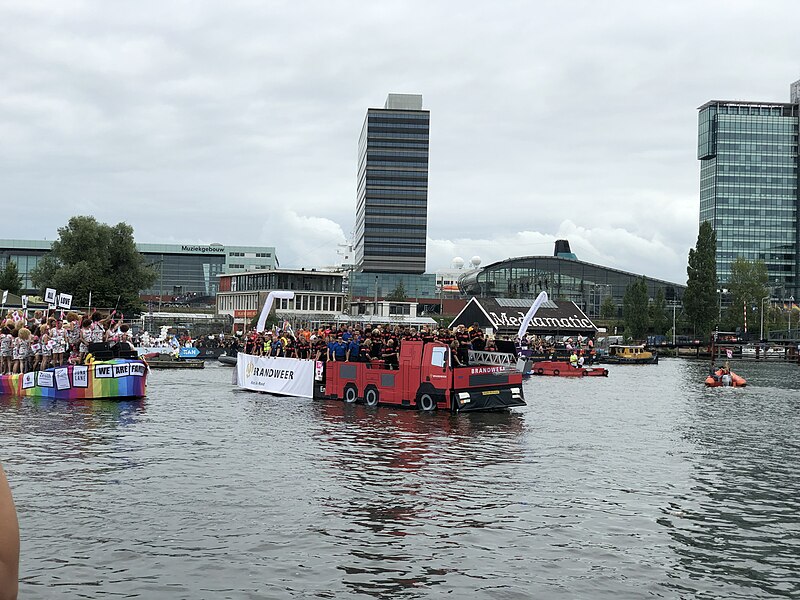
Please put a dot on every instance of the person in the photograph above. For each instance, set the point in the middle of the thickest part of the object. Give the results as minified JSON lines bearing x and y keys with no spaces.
{"x":389,"y":355}
{"x":9,"y":542}
{"x":581,"y":360}
{"x":573,"y":359}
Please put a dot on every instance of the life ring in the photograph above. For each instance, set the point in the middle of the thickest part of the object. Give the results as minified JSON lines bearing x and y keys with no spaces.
{"x":426,"y":403}
{"x":556,"y":372}
{"x":350,"y":394}
{"x":371,"y":397}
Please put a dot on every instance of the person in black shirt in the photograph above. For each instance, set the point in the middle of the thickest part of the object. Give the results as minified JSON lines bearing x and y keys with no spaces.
{"x":389,"y":355}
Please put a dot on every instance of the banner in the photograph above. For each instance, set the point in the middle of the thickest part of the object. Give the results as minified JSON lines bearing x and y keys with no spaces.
{"x":286,"y":376}
{"x":188,"y":352}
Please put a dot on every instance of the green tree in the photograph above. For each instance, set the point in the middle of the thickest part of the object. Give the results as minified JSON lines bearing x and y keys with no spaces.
{"x":700,"y":298}
{"x":747,"y":286}
{"x":94,"y":257}
{"x":398,"y":294}
{"x":659,"y":319}
{"x":635,"y":309}
{"x":10,"y":279}
{"x":608,"y":310}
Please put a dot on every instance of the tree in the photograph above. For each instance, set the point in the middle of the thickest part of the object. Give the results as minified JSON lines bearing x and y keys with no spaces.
{"x":398,"y":294}
{"x":659,"y":319}
{"x":634,"y":309}
{"x":608,"y":310}
{"x":700,"y":298}
{"x":747,"y":286}
{"x":10,"y":279}
{"x":94,"y":257}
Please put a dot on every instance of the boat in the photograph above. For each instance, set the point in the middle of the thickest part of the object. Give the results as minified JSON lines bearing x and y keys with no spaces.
{"x":557,"y":368}
{"x":227,"y":360}
{"x":113,"y":379}
{"x":630,"y":355}
{"x":724,"y":377}
{"x":157,"y":360}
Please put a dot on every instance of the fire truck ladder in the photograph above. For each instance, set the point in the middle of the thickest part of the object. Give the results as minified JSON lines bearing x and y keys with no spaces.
{"x":501,"y":359}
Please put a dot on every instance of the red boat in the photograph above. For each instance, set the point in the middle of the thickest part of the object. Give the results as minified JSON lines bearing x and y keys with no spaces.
{"x":556,"y":368}
{"x":725,"y":378}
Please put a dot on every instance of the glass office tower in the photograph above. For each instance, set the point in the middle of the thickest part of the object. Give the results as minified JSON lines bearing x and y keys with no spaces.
{"x":749,"y":186}
{"x":392,"y":199}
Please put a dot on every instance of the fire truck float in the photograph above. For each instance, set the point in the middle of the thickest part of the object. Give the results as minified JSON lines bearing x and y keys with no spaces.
{"x":423,"y":380}
{"x":424,"y":377}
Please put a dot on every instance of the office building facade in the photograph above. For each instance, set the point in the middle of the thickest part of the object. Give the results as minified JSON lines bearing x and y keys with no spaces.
{"x":749,"y":185}
{"x":183,"y":269}
{"x":392,"y":194}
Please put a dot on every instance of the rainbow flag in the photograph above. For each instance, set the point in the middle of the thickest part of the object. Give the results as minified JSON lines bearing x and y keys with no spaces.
{"x":119,"y":378}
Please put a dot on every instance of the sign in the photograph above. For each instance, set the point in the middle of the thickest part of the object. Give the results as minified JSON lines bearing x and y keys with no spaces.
{"x":5,"y":296}
{"x":50,"y":296}
{"x":122,"y":370}
{"x":65,"y":301}
{"x":188,"y":352}
{"x":244,"y":314}
{"x":286,"y":376}
{"x":28,"y":380}
{"x":103,"y":371}
{"x":80,"y":376}
{"x":729,"y":353}
{"x":24,"y":302}
{"x":45,"y":379}
{"x":62,"y":378}
{"x":204,"y":249}
{"x":137,"y":369}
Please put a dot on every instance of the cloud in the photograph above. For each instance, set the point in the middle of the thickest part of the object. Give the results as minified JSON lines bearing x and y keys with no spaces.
{"x":200,"y":121}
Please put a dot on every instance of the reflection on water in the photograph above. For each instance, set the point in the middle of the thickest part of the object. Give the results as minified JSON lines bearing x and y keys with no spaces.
{"x":642,"y":484}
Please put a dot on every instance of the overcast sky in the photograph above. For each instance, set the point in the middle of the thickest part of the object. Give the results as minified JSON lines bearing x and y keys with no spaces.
{"x":237,"y":122}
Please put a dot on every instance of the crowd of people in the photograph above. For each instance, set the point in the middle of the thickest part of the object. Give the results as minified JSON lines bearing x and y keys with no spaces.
{"x":353,"y":344}
{"x":40,"y":340}
{"x":577,"y":351}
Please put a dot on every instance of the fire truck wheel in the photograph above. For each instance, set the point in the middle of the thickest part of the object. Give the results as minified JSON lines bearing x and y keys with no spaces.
{"x":540,"y":371}
{"x":350,"y":394}
{"x":556,"y":372}
{"x":426,"y":402}
{"x":371,"y":397}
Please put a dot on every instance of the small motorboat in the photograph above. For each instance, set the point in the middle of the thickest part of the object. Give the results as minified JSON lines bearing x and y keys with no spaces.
{"x":557,"y":368}
{"x":157,"y":360}
{"x":723,"y":377}
{"x":227,"y":360}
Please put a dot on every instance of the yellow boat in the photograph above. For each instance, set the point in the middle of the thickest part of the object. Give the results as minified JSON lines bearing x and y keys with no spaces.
{"x":630,"y":355}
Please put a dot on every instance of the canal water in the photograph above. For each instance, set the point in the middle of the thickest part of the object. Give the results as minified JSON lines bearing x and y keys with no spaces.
{"x":642,"y":484}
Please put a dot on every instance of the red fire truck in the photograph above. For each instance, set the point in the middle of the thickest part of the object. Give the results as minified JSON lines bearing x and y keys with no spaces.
{"x":425,"y":380}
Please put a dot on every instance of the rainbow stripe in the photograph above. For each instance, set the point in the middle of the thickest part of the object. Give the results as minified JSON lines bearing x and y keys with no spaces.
{"x":119,"y":379}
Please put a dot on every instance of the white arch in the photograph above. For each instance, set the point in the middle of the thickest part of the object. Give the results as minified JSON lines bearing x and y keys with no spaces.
{"x":282,"y":294}
{"x":523,"y":327}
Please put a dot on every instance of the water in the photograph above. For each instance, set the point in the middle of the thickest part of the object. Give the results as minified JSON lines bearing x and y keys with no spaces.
{"x":642,"y":484}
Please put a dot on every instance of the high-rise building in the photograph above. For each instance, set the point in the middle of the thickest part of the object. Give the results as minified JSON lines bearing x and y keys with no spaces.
{"x":392,"y":199}
{"x":749,"y":185}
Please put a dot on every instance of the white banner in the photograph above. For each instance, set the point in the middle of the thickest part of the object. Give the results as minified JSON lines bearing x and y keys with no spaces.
{"x":523,"y":326}
{"x":280,"y":294}
{"x":286,"y":376}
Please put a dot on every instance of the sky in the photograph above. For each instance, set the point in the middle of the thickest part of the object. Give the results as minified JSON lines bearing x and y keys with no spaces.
{"x":237,"y":122}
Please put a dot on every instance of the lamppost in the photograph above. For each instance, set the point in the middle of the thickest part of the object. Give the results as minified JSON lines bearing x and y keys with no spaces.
{"x":761,"y":336}
{"x":791,"y":304}
{"x":674,"y":308}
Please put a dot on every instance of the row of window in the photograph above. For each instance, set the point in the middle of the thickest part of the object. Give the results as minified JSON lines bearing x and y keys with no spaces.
{"x":385,"y":114}
{"x":301,"y":302}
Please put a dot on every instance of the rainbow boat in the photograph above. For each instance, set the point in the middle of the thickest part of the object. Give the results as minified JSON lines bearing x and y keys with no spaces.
{"x":114,"y":379}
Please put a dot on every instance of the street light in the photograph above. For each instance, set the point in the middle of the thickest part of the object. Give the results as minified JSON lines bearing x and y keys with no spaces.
{"x":761,"y":336}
